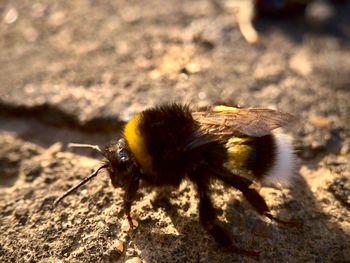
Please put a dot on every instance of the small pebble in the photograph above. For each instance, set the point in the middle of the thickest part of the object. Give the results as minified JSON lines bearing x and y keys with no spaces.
{"x":10,"y":15}
{"x":126,"y":226}
{"x":320,"y":122}
{"x":133,"y":260}
{"x":319,"y":13}
{"x":193,"y":67}
{"x":119,"y":246}
{"x":99,"y":188}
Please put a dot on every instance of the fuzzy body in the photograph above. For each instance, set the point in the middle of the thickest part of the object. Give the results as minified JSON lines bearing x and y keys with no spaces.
{"x":167,"y":144}
{"x":159,"y":139}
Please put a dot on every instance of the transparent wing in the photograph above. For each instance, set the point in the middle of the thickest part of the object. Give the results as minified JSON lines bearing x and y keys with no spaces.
{"x":254,"y":122}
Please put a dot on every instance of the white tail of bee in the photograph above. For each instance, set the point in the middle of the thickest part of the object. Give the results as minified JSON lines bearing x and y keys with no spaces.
{"x":283,"y":169}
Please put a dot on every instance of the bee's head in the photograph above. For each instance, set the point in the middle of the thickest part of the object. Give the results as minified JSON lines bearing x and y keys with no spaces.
{"x":120,"y":163}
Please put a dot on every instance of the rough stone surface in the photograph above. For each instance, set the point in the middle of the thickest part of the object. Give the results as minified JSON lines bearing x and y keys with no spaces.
{"x":74,"y":71}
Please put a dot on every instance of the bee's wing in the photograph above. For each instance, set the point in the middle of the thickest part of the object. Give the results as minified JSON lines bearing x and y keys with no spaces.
{"x":254,"y":122}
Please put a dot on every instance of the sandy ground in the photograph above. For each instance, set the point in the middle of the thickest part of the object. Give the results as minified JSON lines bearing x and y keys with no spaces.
{"x":75,"y":71}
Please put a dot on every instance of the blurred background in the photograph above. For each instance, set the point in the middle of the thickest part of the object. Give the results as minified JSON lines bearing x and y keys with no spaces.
{"x":75,"y":71}
{"x":92,"y":64}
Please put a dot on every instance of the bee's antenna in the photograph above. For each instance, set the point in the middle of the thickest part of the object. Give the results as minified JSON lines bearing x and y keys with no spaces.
{"x":82,"y":145}
{"x":80,"y":184}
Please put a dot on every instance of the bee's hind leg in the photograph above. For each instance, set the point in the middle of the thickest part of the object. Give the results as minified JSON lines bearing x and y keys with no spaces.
{"x":252,"y":196}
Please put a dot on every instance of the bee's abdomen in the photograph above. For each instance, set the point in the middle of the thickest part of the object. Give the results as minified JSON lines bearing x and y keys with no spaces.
{"x":269,"y":158}
{"x":254,"y":154}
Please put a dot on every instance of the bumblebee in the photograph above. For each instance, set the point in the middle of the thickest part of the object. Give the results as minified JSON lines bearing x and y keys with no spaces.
{"x":167,"y":144}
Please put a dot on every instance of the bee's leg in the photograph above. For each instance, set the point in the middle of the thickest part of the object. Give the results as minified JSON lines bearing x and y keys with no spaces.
{"x":252,"y":196}
{"x":210,"y":223}
{"x":129,"y":197}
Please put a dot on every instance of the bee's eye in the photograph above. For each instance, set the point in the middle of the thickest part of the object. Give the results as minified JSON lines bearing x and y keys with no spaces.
{"x":123,"y":155}
{"x":122,"y":152}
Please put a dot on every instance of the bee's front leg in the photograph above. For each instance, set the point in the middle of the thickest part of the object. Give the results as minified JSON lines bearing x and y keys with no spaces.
{"x":129,"y":197}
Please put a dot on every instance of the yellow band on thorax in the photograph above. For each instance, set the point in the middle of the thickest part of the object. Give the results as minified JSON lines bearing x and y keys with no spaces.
{"x":136,"y":143}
